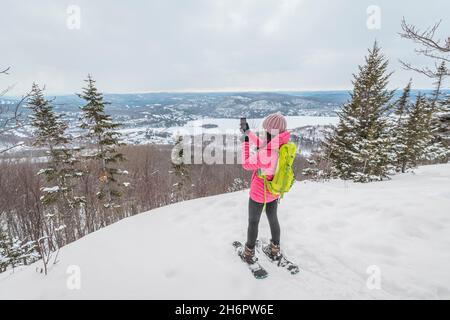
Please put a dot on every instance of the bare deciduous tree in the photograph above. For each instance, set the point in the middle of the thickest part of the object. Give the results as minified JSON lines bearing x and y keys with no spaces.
{"x":10,"y":115}
{"x":429,"y":46}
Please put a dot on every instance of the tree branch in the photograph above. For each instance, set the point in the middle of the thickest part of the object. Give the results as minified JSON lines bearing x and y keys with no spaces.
{"x":11,"y":114}
{"x":15,"y":117}
{"x":425,"y":38}
{"x":433,"y":56}
{"x":11,"y":147}
{"x":425,"y":70}
{"x":429,"y":47}
{"x":5,"y":71}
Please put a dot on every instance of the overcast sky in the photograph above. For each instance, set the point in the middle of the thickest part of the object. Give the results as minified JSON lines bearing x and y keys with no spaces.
{"x":205,"y":45}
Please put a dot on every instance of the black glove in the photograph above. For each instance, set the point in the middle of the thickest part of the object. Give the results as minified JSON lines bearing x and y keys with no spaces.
{"x":244,"y":138}
{"x":244,"y":127}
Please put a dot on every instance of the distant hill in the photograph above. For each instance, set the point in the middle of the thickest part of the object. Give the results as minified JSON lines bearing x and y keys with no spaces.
{"x":141,"y":114}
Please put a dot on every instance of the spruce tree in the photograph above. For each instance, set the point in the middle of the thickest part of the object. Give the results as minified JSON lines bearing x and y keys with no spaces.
{"x":440,"y":75}
{"x":401,"y":106}
{"x":444,"y":119}
{"x":61,"y":169}
{"x":437,"y":149}
{"x":22,"y":253}
{"x":48,"y":129}
{"x":14,"y":252}
{"x":103,"y":135}
{"x":5,"y":248}
{"x":398,"y":127}
{"x":359,"y":148}
{"x":415,"y":135}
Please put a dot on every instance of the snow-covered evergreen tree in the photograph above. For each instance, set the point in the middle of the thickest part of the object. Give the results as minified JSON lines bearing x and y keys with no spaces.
{"x":103,"y":135}
{"x":5,"y":246}
{"x":14,"y":252}
{"x":444,"y":119}
{"x":440,"y":75}
{"x":398,"y":128}
{"x":414,"y":135}
{"x":437,"y":149}
{"x":22,"y":253}
{"x":401,"y":106}
{"x":61,"y":169}
{"x":359,"y":148}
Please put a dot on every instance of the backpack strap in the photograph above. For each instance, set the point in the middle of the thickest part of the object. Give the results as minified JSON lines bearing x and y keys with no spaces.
{"x":265,"y":189}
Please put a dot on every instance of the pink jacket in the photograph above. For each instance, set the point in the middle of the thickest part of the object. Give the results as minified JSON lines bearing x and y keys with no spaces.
{"x":265,"y":159}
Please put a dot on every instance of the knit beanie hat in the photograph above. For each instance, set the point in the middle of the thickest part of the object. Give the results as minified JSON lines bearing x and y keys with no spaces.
{"x":275,"y":123}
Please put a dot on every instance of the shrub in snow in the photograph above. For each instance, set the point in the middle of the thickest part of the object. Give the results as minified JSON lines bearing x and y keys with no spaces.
{"x":238,"y":184}
{"x":15,"y":252}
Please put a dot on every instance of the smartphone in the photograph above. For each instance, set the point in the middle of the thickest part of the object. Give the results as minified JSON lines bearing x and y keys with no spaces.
{"x":243,"y":121}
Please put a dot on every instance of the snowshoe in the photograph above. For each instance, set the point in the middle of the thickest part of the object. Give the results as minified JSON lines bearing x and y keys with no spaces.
{"x":250,"y":260}
{"x":274,"y":255}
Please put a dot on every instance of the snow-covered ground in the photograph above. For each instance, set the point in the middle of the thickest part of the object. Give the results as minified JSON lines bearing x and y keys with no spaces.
{"x":336,"y":231}
{"x":233,"y":124}
{"x":140,"y":135}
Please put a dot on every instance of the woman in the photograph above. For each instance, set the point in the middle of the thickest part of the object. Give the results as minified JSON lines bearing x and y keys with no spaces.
{"x":264,"y":162}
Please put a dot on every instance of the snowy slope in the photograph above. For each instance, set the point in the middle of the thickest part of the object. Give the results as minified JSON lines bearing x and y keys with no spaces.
{"x":334,"y":230}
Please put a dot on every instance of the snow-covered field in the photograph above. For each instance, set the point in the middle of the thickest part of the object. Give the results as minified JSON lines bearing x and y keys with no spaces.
{"x":233,"y":124}
{"x":335,"y":230}
{"x":139,"y":135}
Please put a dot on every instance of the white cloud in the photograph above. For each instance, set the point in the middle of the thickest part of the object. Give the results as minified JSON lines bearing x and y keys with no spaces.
{"x":285,"y":8}
{"x":204,"y":44}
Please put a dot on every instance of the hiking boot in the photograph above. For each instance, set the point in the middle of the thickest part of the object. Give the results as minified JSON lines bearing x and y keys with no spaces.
{"x":273,"y":251}
{"x":249,"y":255}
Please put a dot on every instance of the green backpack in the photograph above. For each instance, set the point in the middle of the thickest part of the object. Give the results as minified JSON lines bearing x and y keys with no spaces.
{"x":283,"y":178}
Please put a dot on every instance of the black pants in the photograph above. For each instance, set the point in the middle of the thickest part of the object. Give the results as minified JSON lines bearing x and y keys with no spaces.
{"x":254,"y":214}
